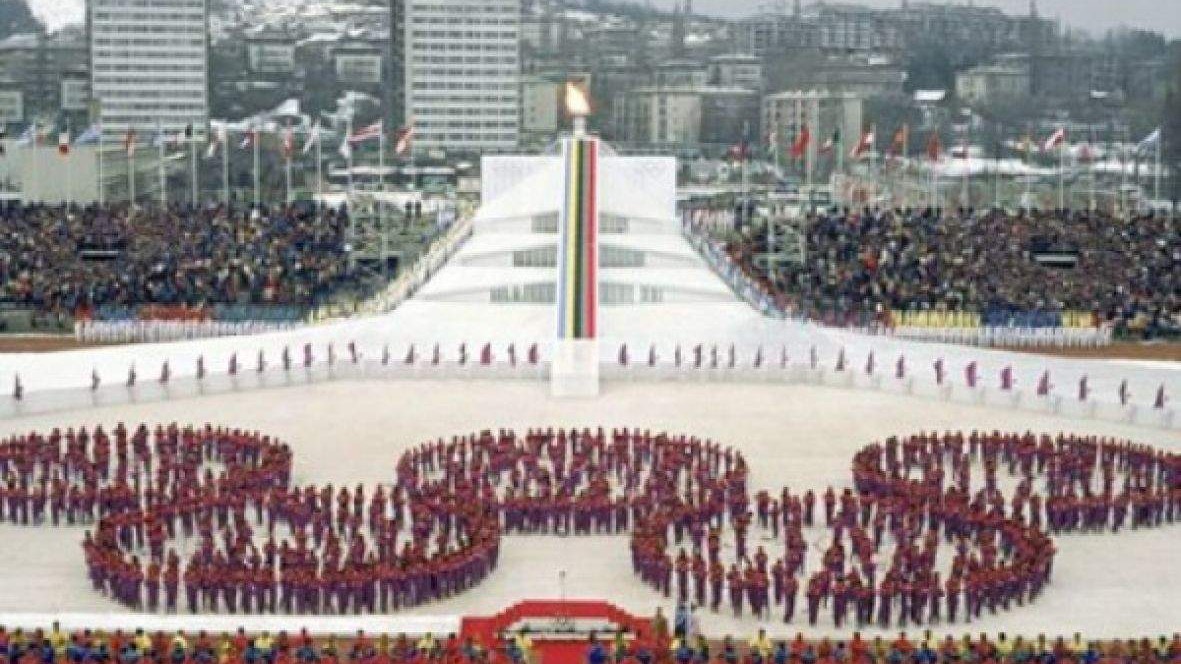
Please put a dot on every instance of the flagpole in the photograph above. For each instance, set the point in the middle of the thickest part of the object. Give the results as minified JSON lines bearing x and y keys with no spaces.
{"x":163,"y":174}
{"x":809,"y":151}
{"x":996,"y":174}
{"x":349,"y":162}
{"x":257,"y":136}
{"x":69,"y":166}
{"x":1091,"y":166}
{"x":288,"y":148}
{"x":319,"y":163}
{"x":1027,"y":159}
{"x":966,"y":193}
{"x":36,"y":179}
{"x":193,"y":166}
{"x":225,"y":168}
{"x":1123,"y":172}
{"x":100,"y":187}
{"x":1062,"y":175}
{"x":1156,"y":172}
{"x":131,"y":168}
{"x":381,"y":156}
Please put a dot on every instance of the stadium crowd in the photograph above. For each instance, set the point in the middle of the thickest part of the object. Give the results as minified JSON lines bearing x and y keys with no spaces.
{"x":861,"y":263}
{"x":57,"y":646}
{"x":76,"y":259}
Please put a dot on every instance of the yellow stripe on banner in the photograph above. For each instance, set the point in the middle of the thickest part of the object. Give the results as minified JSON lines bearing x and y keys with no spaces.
{"x":571,"y":247}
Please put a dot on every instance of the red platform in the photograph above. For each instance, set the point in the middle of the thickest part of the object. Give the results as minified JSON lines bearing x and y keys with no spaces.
{"x":556,"y":648}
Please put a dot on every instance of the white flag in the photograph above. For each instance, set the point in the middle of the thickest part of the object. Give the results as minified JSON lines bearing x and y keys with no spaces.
{"x":1150,"y":141}
{"x":313,"y":138}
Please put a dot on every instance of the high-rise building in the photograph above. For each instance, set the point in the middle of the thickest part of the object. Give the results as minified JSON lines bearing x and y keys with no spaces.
{"x":149,"y":64}
{"x":463,"y":74}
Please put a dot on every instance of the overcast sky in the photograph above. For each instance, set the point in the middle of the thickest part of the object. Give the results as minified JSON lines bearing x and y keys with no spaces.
{"x":1093,"y":15}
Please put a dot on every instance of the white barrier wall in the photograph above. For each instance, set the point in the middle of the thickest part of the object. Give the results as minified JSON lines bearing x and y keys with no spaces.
{"x":718,"y":363}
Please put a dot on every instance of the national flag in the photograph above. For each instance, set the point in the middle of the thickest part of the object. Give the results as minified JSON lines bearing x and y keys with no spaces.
{"x":1150,"y":141}
{"x":63,"y":142}
{"x":248,"y":139}
{"x":369,"y":133}
{"x":831,"y":144}
{"x":313,"y":138}
{"x":934,"y":147}
{"x":29,"y":137}
{"x":185,"y":135}
{"x":738,"y":152}
{"x":403,"y":138}
{"x":901,"y":138}
{"x":864,"y":145}
{"x":129,"y":142}
{"x":1055,"y":140}
{"x":800,"y":146}
{"x":220,"y":137}
{"x":89,"y":137}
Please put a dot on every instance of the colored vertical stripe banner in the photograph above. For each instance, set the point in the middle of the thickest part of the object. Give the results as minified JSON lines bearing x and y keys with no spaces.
{"x":578,"y":242}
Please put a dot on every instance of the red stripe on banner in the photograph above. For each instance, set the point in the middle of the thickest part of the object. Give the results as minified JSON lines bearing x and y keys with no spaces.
{"x":592,"y":244}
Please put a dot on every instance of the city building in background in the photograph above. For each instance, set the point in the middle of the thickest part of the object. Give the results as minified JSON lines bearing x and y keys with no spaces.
{"x":463,"y":74}
{"x":149,"y":64}
{"x":827,"y":114}
{"x":48,"y":73}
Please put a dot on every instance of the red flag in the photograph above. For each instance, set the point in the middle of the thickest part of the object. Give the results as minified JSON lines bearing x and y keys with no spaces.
{"x":368,"y":133}
{"x":934,"y":147}
{"x":288,"y":142}
{"x":403,"y":139}
{"x":1057,"y":138}
{"x":898,"y":144}
{"x":864,"y":145}
{"x":800,"y":146}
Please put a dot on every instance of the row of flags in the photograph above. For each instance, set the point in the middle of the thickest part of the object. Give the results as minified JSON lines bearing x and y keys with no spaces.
{"x":934,"y":148}
{"x":402,"y":139}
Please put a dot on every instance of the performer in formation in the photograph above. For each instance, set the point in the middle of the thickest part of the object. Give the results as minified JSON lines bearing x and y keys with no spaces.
{"x":863,"y":555}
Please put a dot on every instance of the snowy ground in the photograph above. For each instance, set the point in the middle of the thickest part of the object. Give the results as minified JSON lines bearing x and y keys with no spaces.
{"x":351,"y":431}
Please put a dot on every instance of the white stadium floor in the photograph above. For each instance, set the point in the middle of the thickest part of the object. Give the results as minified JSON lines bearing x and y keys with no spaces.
{"x":351,"y":431}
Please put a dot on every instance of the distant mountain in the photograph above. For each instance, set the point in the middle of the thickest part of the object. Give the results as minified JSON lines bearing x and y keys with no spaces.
{"x":16,"y":17}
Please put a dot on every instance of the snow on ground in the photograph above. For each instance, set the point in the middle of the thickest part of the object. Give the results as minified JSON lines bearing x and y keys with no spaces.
{"x":58,"y":13}
{"x":802,"y":436}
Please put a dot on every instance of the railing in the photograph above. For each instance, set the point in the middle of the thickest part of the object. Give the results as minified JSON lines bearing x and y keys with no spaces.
{"x":409,"y":281}
{"x":157,"y":331}
{"x":732,"y":274}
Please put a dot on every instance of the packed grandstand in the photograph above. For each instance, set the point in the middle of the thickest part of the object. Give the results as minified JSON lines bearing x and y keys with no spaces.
{"x":949,"y":268}
{"x":913,"y":268}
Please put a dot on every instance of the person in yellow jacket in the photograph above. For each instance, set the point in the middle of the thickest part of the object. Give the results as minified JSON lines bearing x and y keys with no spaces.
{"x":761,"y":644}
{"x":225,"y":648}
{"x":265,"y":643}
{"x":427,"y":643}
{"x":59,"y":640}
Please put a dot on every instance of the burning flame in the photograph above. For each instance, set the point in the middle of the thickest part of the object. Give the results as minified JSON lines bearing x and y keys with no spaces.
{"x":577,"y":103}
